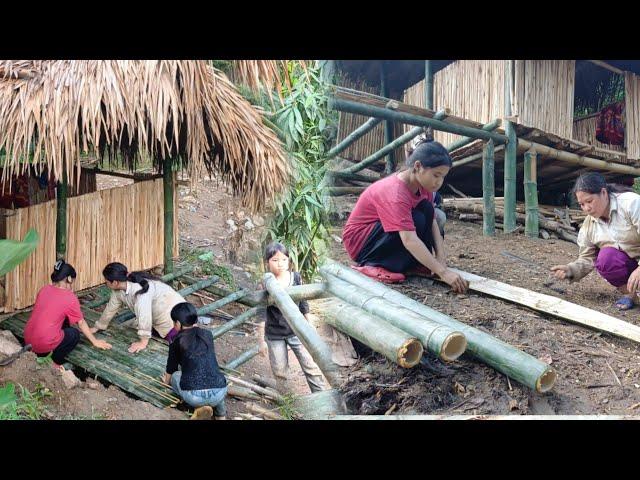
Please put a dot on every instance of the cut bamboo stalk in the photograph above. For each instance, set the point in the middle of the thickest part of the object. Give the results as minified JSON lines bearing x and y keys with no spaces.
{"x":261,"y":390}
{"x":340,"y":191}
{"x":510,"y":155}
{"x":222,"y":302}
{"x":440,"y":340}
{"x":263,"y":411}
{"x":428,"y":82}
{"x":239,"y":320}
{"x":531,"y":228}
{"x":488,"y":190}
{"x":353,"y":136}
{"x":514,"y":363}
{"x":352,"y":176}
{"x":264,"y":381}
{"x":553,"y":306}
{"x":382,"y":337}
{"x":321,"y":405}
{"x":242,"y":392}
{"x":61,"y":216}
{"x":318,"y":350}
{"x":243,"y":358}
{"x":489,"y":127}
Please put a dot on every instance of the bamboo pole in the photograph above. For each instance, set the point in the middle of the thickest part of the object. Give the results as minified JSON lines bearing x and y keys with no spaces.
{"x":321,"y":405}
{"x":363,"y":129}
{"x":489,"y":127}
{"x":440,"y":340}
{"x":488,"y":190}
{"x":222,"y":302}
{"x":168,"y":184}
{"x":261,"y":390}
{"x":318,"y":350}
{"x":390,"y":165}
{"x":242,"y":392}
{"x":264,"y":412}
{"x":531,"y":228}
{"x":390,"y":147}
{"x":352,"y":176}
{"x":243,"y":358}
{"x":417,"y":120}
{"x":340,"y":191}
{"x":510,"y":155}
{"x":428,"y":84}
{"x":476,"y":156}
{"x":382,"y":337}
{"x":514,"y":363}
{"x":61,"y":215}
{"x":239,"y":320}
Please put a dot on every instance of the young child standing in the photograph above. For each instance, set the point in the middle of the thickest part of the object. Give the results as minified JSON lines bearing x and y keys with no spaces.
{"x":278,"y":335}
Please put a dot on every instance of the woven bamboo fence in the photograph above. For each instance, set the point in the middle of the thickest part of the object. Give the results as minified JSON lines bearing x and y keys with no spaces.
{"x":124,"y":224}
{"x":373,"y":140}
{"x":632,"y":111}
{"x":584,"y":130}
{"x":474,"y":89}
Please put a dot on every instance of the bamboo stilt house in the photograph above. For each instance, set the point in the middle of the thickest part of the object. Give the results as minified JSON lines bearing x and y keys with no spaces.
{"x":177,"y":114}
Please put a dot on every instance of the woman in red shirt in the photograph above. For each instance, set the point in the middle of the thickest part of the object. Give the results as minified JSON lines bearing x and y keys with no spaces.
{"x":392,"y":231}
{"x":57,"y":308}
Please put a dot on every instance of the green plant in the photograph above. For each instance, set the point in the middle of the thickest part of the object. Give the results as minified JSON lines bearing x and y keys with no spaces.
{"x":44,"y":360}
{"x":28,"y":405}
{"x":303,"y":123}
{"x":287,"y":409}
{"x":203,"y":260}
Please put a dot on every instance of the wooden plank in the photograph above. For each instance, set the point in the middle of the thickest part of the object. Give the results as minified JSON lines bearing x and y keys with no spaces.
{"x":555,"y":306}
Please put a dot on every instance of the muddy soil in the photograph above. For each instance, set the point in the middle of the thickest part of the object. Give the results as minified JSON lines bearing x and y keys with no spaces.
{"x":597,"y":373}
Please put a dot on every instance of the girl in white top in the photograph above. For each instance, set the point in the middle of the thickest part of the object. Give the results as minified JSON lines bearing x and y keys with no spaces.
{"x":151,"y":300}
{"x":609,"y":238}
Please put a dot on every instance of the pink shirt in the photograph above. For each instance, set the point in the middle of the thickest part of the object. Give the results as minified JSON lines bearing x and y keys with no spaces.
{"x":389,"y":201}
{"x":44,"y":328}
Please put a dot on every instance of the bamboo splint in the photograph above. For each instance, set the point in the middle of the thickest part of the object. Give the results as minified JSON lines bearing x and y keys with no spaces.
{"x":552,"y":305}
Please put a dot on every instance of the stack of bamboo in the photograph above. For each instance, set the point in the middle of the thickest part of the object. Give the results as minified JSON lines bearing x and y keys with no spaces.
{"x":563,"y":223}
{"x":386,"y":320}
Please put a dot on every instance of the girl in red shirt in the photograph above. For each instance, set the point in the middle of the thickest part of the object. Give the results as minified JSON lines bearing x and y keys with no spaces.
{"x":392,"y":231}
{"x":57,"y":308}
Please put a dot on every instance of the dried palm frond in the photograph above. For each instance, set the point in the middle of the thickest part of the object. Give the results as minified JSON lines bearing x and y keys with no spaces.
{"x":56,"y":110}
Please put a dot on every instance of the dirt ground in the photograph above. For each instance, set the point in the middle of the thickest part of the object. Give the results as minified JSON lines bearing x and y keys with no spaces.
{"x":204,"y":214}
{"x":597,"y":373}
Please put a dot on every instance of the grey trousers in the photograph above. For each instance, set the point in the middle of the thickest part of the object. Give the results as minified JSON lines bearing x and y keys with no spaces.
{"x":441,"y":219}
{"x":279,"y":359}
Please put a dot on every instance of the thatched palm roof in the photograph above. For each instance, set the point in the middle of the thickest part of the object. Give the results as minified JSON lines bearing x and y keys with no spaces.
{"x":57,"y":110}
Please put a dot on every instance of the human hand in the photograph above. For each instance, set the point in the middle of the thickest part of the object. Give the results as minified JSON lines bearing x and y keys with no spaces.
{"x":633,"y":283}
{"x":102,"y":345}
{"x":455,"y":281}
{"x":561,"y":272}
{"x":138,"y":346}
{"x":94,"y":329}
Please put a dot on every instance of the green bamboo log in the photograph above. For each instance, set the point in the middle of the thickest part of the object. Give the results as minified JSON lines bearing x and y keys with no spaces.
{"x":363,"y":129}
{"x":243,"y":358}
{"x":222,"y":302}
{"x":390,"y":147}
{"x":322,"y":405}
{"x":531,"y":228}
{"x":201,"y":284}
{"x":395,"y":344}
{"x":352,"y":176}
{"x":428,"y":84}
{"x":390,"y":165}
{"x":488,"y":190}
{"x":514,"y":363}
{"x":489,"y":127}
{"x":439,"y":340}
{"x":61,"y":216}
{"x":510,"y":156}
{"x":168,"y":184}
{"x":340,"y":191}
{"x":417,"y":120}
{"x":298,"y":293}
{"x":239,"y":320}
{"x":316,"y":347}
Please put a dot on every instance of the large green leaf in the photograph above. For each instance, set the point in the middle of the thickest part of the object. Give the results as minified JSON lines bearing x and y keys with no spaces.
{"x":14,"y":252}
{"x":7,"y":395}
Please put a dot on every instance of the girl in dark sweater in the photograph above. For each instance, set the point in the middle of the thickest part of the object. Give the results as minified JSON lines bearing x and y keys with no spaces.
{"x":199,"y":381}
{"x":278,"y":336}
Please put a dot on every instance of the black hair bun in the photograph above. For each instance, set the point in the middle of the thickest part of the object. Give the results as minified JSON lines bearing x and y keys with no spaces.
{"x":58,"y":266}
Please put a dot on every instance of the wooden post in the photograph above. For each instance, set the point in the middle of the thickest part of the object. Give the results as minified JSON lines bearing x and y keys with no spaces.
{"x":390,"y":164}
{"x":61,"y":215}
{"x":428,"y":84}
{"x":168,"y":183}
{"x":488,"y":190}
{"x":316,"y":347}
{"x":510,"y":154}
{"x":531,"y":194}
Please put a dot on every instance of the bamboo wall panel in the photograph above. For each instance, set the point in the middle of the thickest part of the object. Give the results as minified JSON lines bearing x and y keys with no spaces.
{"x":22,"y":283}
{"x":632,"y":112}
{"x":124,"y":224}
{"x":584,"y":130}
{"x":373,"y":140}
{"x":474,"y":89}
